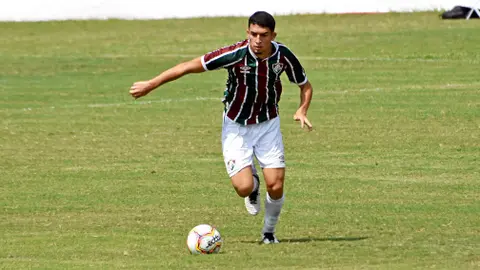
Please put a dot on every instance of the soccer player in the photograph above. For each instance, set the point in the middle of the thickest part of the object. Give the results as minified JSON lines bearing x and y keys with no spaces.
{"x":251,"y":123}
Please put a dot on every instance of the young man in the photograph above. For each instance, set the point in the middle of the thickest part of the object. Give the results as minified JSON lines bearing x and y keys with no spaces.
{"x":251,"y":124}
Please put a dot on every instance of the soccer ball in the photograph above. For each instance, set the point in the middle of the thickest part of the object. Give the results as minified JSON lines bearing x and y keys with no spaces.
{"x":204,"y":239}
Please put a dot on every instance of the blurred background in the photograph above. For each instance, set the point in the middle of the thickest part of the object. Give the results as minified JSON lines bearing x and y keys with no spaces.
{"x":28,"y":10}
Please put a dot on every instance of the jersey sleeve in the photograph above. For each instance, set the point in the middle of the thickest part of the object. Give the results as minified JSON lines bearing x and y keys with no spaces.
{"x":295,"y":72}
{"x":224,"y":56}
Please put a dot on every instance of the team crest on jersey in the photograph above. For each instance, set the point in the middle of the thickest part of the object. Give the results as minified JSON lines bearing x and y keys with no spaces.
{"x":277,"y":67}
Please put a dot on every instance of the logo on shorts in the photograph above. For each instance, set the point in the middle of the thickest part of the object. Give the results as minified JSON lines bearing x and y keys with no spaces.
{"x":282,"y":159}
{"x":277,"y":67}
{"x":231,"y":165}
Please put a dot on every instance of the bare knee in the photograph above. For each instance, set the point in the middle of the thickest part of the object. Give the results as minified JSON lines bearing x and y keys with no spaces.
{"x":275,"y":187}
{"x":243,"y":189}
{"x":274,"y":179}
{"x":243,"y":182}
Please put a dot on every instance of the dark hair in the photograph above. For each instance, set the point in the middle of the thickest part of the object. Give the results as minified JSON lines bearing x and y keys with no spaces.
{"x":263,"y":19}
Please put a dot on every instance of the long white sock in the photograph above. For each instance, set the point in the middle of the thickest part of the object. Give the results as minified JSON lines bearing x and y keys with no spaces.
{"x":272,"y":213}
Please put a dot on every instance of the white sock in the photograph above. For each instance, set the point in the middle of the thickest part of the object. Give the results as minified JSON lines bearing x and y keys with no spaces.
{"x":272,"y":212}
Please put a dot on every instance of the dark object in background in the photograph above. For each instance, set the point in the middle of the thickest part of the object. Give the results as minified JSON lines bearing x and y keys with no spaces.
{"x":459,"y":12}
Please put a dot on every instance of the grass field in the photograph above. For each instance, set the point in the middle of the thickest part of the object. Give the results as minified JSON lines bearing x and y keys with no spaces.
{"x":388,"y":179}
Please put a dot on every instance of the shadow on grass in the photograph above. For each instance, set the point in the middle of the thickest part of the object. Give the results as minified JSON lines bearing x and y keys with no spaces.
{"x":309,"y":239}
{"x":313,"y":239}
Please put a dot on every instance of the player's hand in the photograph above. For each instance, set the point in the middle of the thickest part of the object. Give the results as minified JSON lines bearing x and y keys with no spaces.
{"x":302,"y":118}
{"x":140,"y":89}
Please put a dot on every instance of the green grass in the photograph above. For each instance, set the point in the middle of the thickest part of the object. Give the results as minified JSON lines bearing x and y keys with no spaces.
{"x":388,"y":179}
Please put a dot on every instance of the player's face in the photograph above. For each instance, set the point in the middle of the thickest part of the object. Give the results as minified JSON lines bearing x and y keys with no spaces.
{"x":260,"y":39}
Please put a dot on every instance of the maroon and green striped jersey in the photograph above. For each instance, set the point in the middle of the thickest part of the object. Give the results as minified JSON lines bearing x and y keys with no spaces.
{"x":253,"y":85}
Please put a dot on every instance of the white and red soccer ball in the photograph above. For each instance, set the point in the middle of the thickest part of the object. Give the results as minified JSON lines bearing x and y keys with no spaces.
{"x":204,"y":239}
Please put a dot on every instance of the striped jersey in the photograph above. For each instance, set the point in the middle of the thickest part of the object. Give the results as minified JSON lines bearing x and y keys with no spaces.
{"x":253,"y":85}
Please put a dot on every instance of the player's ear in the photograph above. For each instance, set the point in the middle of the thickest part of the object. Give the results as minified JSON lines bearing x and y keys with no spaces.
{"x":274,"y":35}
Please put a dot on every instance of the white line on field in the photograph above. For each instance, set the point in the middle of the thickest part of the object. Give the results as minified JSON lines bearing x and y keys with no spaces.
{"x":195,"y":99}
{"x":119,"y":104}
{"x":378,"y":59}
{"x":170,"y":100}
{"x":306,"y":58}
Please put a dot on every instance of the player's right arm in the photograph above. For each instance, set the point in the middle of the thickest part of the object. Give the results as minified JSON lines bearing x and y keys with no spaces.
{"x":219,"y":58}
{"x":141,"y":88}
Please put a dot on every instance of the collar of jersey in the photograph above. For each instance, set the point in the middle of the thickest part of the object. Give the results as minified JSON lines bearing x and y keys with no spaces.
{"x":275,"y":44}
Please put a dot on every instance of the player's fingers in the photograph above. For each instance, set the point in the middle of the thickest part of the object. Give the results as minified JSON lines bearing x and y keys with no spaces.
{"x":135,"y":94}
{"x":309,"y":125}
{"x":137,"y":85}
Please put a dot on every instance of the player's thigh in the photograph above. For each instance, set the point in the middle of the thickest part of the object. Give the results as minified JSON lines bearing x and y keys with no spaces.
{"x":269,"y":148}
{"x":236,"y":148}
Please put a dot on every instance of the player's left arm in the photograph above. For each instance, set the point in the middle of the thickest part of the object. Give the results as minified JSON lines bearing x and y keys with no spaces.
{"x":306,"y":91}
{"x":296,"y":74}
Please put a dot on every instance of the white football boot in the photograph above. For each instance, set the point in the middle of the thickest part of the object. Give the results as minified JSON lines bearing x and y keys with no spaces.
{"x":252,"y":201}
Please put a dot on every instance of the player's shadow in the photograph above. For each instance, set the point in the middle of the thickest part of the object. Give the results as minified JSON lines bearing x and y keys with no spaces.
{"x":314,"y":239}
{"x":311,"y":239}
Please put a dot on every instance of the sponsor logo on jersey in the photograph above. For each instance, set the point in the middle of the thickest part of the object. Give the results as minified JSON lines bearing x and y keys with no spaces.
{"x":244,"y":69}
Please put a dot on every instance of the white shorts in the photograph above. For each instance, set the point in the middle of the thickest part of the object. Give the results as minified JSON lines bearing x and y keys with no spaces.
{"x":240,"y":143}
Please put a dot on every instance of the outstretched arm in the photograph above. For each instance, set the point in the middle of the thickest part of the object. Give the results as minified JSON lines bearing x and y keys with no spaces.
{"x":305,"y":98}
{"x":141,"y":88}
